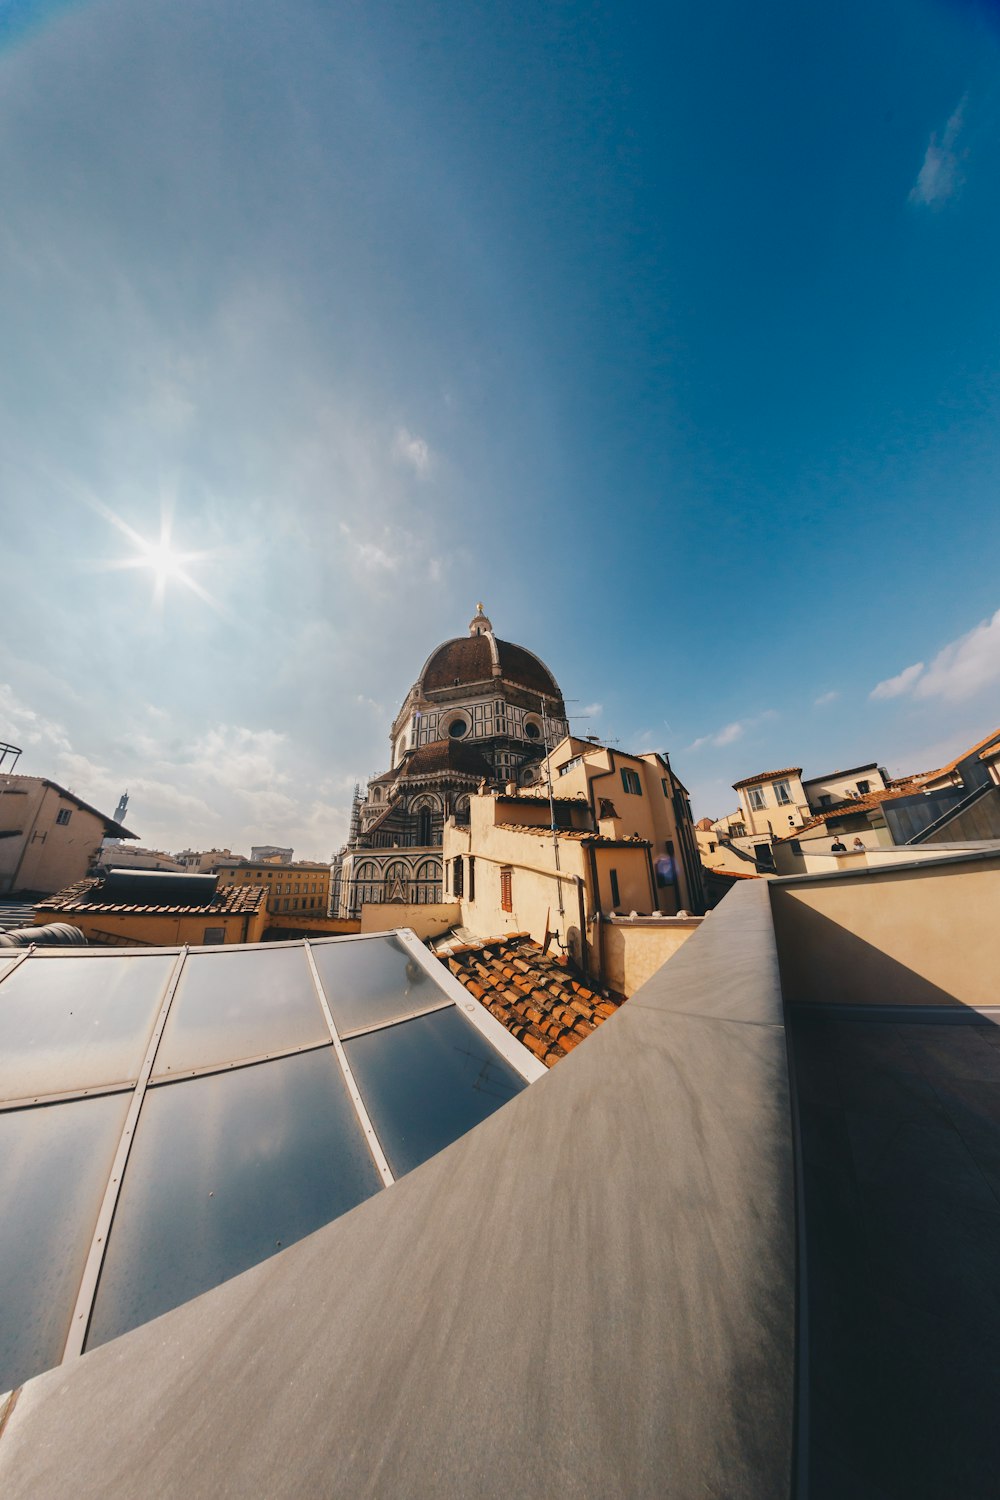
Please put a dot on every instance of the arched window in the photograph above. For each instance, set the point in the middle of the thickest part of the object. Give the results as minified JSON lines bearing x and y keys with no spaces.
{"x":424,"y":826}
{"x":427,"y":882}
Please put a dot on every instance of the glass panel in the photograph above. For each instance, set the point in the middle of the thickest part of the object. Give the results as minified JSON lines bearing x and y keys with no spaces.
{"x":368,"y":982}
{"x":224,"y":1171}
{"x":427,"y":1082}
{"x":55,"y":1162}
{"x":74,"y":1023}
{"x":240,"y":1003}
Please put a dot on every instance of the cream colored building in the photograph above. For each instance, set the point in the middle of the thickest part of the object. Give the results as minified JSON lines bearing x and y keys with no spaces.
{"x":299,"y":888}
{"x":204,"y":861}
{"x":634,"y":796}
{"x":49,"y":837}
{"x":613,"y":886}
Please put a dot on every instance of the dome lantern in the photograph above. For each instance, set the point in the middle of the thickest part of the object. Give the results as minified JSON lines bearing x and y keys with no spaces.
{"x":480,"y":623}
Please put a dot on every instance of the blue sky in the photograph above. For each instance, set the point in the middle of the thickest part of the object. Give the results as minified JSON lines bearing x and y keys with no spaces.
{"x":669,"y":331}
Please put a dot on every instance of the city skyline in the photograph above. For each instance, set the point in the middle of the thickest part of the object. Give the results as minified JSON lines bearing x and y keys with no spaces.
{"x":670,"y":337}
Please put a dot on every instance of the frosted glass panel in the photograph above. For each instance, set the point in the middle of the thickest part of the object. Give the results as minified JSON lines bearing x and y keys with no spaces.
{"x":427,"y":1082}
{"x":225,"y":1170}
{"x":372,"y":981}
{"x":74,"y":1023}
{"x":55,"y":1162}
{"x":243,"y":1003}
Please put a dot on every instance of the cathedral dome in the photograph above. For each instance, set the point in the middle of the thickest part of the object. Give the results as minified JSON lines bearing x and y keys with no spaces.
{"x":479,"y":658}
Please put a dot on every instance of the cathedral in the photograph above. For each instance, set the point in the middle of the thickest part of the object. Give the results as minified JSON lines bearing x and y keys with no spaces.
{"x":481,"y":711}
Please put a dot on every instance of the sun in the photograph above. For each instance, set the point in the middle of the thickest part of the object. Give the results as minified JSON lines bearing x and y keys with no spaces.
{"x":168,"y":564}
{"x":164,"y":560}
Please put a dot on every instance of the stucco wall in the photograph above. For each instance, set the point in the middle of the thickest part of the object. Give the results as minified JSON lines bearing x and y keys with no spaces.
{"x":161,"y":931}
{"x":425,"y":921}
{"x":635,"y":950}
{"x":45,"y":856}
{"x":920,"y":935}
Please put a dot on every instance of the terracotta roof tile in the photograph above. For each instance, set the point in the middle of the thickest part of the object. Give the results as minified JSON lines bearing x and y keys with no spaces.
{"x":445,"y":755}
{"x":855,"y":804}
{"x":227,"y":900}
{"x":767,"y":776}
{"x":976,"y":749}
{"x":579,"y":835}
{"x":468,"y":659}
{"x":539,"y":997}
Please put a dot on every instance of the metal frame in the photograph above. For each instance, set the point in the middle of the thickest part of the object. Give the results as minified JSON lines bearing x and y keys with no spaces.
{"x":453,"y":996}
{"x":368,"y":1129}
{"x":83,"y":1308}
{"x":513,"y":1051}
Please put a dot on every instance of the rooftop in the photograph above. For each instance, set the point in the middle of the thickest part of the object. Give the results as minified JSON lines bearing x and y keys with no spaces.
{"x":578,"y":835}
{"x":539,"y":997}
{"x":87,"y":895}
{"x":767,"y":776}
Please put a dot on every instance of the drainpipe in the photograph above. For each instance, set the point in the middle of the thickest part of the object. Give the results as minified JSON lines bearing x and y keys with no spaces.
{"x":653,"y":902}
{"x":598,"y":918}
{"x":582,"y":905}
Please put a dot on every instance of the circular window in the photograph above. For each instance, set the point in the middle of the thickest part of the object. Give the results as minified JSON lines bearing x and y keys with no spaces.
{"x":457,"y":728}
{"x":532,"y":731}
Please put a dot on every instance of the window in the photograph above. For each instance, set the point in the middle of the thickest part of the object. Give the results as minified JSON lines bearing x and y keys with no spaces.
{"x":616,"y":899}
{"x":755,"y":796}
{"x":214,"y":935}
{"x":457,"y":877}
{"x":825,"y":799}
{"x":532,"y":731}
{"x":457,"y":728}
{"x":63,"y":815}
{"x":711,"y":847}
{"x":783,"y":793}
{"x":631,"y":782}
{"x":864,"y":787}
{"x":506,"y":901}
{"x":424,"y":826}
{"x":665,"y":785}
{"x":472,"y":877}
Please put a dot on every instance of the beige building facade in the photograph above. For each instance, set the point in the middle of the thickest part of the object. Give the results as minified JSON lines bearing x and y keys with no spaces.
{"x":49,"y":837}
{"x":298,"y":888}
{"x":508,"y":872}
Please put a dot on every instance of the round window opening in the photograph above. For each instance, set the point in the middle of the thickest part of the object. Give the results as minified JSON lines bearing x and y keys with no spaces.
{"x":457,"y":729}
{"x":532,"y":731}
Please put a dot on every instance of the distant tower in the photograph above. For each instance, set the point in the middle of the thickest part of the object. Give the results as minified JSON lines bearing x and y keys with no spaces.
{"x":120,"y":812}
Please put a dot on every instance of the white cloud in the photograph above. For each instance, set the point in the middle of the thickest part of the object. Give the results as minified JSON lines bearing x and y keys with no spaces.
{"x":939,"y":176}
{"x":375,"y":558}
{"x":730,"y":733}
{"x":960,"y":671}
{"x":825,"y":698}
{"x":727,"y":735}
{"x":590,"y":711}
{"x":412,"y":450}
{"x":894,"y":687}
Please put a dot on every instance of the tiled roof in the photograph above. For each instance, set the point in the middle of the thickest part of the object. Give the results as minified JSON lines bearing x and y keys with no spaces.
{"x":705,"y":824}
{"x":767,"y":776}
{"x":517,"y":797}
{"x":84,"y":896}
{"x":446,"y":755}
{"x":112,"y":830}
{"x":977,"y":749}
{"x":539,"y":997}
{"x":855,"y":804}
{"x":579,"y":835}
{"x":468,"y":659}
